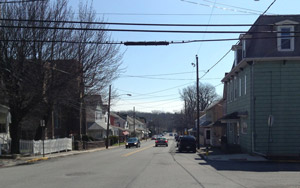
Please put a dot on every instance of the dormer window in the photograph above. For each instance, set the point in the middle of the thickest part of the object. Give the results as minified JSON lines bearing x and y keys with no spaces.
{"x":237,"y":53}
{"x":285,"y":35}
{"x":244,"y":48}
{"x":243,"y":39}
{"x":285,"y":39}
{"x":235,"y":58}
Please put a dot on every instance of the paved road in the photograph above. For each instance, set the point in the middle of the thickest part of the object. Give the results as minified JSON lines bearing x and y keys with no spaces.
{"x":145,"y":167}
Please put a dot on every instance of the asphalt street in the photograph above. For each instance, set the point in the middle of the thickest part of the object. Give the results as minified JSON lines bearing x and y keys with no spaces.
{"x":147,"y":166}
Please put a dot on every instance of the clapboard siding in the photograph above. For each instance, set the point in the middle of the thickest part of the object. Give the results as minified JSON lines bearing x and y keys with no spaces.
{"x":241,"y":104}
{"x":277,"y":92}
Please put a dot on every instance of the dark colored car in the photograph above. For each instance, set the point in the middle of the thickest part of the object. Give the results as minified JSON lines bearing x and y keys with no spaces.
{"x":161,"y":141}
{"x":133,"y":142}
{"x":187,"y":143}
{"x":178,"y":140}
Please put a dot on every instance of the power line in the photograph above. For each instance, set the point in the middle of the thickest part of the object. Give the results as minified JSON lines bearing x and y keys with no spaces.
{"x":121,"y":42}
{"x":152,"y":96}
{"x":222,"y":8}
{"x":268,"y":7}
{"x":166,"y":74}
{"x":169,"y":14}
{"x":137,"y":24}
{"x":212,"y":10}
{"x":142,"y":30}
{"x":23,"y":1}
{"x":234,"y":6}
{"x":160,"y":78}
{"x":218,"y":85}
{"x":215,"y":64}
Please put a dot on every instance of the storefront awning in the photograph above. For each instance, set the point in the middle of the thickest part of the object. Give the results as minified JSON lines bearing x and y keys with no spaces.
{"x":234,"y":117}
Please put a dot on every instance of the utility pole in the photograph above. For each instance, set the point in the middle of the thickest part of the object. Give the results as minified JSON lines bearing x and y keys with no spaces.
{"x":134,"y":121}
{"x":108,"y":114}
{"x":198,"y":110}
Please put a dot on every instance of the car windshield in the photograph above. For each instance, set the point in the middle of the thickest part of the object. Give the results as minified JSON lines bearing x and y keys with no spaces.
{"x":188,"y":138}
{"x":132,"y":140}
{"x":161,"y":139}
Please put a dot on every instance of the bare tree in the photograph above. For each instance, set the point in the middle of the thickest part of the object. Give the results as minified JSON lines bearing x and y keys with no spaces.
{"x":34,"y":57}
{"x":207,"y":95}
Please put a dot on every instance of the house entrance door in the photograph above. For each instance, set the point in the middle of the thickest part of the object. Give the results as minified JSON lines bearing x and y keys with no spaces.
{"x":236,"y":133}
{"x":207,"y":137}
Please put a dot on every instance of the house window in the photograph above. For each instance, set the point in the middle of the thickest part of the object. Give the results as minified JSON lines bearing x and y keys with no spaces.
{"x":2,"y":128}
{"x":235,"y":57}
{"x":245,"y":85}
{"x":98,"y":115}
{"x":240,"y":87}
{"x":228,"y":92}
{"x":235,"y":87}
{"x":244,"y":127}
{"x":285,"y":40}
{"x":244,"y":48}
{"x":231,"y":90}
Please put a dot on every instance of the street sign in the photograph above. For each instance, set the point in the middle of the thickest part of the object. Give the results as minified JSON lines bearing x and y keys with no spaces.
{"x":270,"y":120}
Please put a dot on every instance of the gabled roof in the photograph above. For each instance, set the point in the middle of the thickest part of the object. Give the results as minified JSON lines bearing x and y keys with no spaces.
{"x":130,"y":120}
{"x":98,"y":126}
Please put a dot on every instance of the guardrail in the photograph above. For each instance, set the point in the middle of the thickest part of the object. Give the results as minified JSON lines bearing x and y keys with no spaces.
{"x":50,"y":146}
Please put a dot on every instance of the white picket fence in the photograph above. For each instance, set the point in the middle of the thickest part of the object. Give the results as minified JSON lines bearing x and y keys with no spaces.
{"x":50,"y":146}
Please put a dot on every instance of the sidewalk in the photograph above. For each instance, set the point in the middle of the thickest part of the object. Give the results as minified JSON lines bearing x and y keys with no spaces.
{"x":215,"y":154}
{"x":22,"y":160}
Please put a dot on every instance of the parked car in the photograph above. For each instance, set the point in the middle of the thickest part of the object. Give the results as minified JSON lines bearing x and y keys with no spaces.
{"x":187,"y":143}
{"x":154,"y":137}
{"x":178,"y":140}
{"x":133,"y":141}
{"x":161,"y":141}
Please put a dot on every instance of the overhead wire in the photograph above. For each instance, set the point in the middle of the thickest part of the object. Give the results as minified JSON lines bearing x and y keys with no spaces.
{"x":222,"y":8}
{"x":22,"y":1}
{"x":135,"y":23}
{"x":169,"y":14}
{"x":268,"y":7}
{"x":209,"y":19}
{"x":234,"y":6}
{"x":133,"y":30}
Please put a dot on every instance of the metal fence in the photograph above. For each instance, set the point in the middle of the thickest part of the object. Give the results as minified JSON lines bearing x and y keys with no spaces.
{"x":50,"y":146}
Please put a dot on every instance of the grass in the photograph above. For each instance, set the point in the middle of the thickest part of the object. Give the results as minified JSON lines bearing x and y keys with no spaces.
{"x":116,"y":144}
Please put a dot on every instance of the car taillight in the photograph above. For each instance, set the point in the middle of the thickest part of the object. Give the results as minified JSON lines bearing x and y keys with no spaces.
{"x":156,"y":141}
{"x":166,"y":141}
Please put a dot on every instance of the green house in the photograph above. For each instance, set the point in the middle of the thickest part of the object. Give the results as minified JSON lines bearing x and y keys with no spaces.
{"x":262,"y":90}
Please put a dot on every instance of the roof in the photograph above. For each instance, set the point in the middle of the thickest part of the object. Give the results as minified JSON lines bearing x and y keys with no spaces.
{"x":263,"y":23}
{"x":4,"y":109}
{"x":98,"y":126}
{"x":205,"y":123}
{"x":130,"y":120}
{"x":214,"y":104}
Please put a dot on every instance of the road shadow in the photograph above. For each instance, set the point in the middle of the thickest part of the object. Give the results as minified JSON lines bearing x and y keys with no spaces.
{"x":250,"y":166}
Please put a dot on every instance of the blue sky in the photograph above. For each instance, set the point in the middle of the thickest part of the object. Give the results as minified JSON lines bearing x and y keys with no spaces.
{"x":161,"y":91}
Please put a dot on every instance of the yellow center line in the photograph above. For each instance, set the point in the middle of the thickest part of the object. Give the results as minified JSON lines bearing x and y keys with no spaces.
{"x":131,"y":153}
